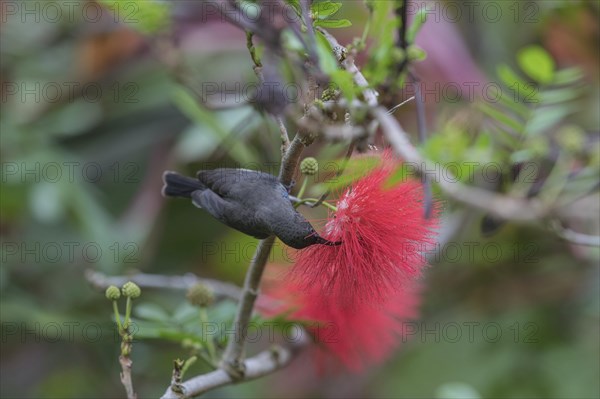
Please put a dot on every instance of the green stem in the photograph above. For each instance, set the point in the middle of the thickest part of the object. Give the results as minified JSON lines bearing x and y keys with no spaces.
{"x":209,"y":340}
{"x":326,"y":204}
{"x":187,"y":365}
{"x":117,"y":317}
{"x":252,"y":49}
{"x":363,"y":39}
{"x":303,"y":187}
{"x":127,"y":313}
{"x":209,"y":362}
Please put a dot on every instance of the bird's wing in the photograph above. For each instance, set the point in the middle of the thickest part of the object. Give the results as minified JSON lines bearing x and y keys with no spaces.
{"x":211,"y":203}
{"x":225,"y":181}
{"x":228,"y":213}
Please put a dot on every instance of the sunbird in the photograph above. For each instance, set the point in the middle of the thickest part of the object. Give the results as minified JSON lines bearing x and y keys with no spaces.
{"x":252,"y":202}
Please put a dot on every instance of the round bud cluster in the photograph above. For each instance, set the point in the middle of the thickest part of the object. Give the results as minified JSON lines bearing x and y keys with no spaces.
{"x":416,"y":53}
{"x":329,"y":94}
{"x":309,"y":166}
{"x":131,"y":290}
{"x":113,"y":293}
{"x":571,"y":138}
{"x":200,"y":295}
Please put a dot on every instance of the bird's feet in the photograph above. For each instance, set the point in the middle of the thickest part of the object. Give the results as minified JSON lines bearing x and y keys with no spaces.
{"x":290,"y":186}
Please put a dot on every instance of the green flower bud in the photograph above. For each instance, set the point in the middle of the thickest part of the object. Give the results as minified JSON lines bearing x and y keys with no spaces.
{"x":189,"y":344}
{"x":416,"y":53}
{"x":329,"y":94}
{"x":200,"y":295}
{"x":309,"y":166}
{"x":571,"y":138}
{"x":539,"y":146}
{"x":398,"y":55}
{"x":131,"y":290}
{"x":113,"y":293}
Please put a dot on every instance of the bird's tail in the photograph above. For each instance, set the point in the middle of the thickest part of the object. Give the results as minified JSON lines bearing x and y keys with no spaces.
{"x":177,"y":185}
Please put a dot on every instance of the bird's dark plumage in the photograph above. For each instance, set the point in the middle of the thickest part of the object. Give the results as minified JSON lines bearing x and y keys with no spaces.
{"x":252,"y":202}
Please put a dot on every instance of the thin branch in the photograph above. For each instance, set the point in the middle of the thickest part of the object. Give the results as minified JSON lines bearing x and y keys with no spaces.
{"x":232,"y":361}
{"x":422,"y":130}
{"x":312,"y":41}
{"x":234,"y":15}
{"x":220,"y":289}
{"x":265,"y":363}
{"x":395,"y":107}
{"x":252,"y":49}
{"x":504,"y":207}
{"x":285,"y":137}
{"x":232,"y":366}
{"x":402,"y":15}
{"x":508,"y":208}
{"x":574,"y":237}
{"x":290,"y":160}
{"x":401,"y":40}
{"x":126,"y":363}
{"x":347,"y":62}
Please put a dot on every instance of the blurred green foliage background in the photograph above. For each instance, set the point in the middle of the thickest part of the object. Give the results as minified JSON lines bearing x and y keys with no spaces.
{"x":91,"y":116}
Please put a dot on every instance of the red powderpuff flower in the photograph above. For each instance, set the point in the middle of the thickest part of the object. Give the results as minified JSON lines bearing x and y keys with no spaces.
{"x":383,"y":233}
{"x":353,"y":336}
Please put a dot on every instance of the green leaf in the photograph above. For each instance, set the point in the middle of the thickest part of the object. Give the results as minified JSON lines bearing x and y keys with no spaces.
{"x":151,"y":311}
{"x":381,"y":54}
{"x":516,"y":106}
{"x":456,"y":390}
{"x":325,"y":9}
{"x":194,"y":143}
{"x":146,"y":16}
{"x":381,"y":20}
{"x":547,"y":117}
{"x":568,"y":76}
{"x":403,"y":173}
{"x":520,"y":88}
{"x":345,"y":82}
{"x":222,"y":312}
{"x":537,"y":64}
{"x":292,"y":42}
{"x":355,"y":169}
{"x":560,"y":95}
{"x":500,"y":116}
{"x":331,"y":23}
{"x":418,"y":22}
{"x":200,"y":115}
{"x":295,"y":4}
{"x":584,"y":181}
{"x":522,"y":156}
{"x":415,"y":53}
{"x":327,"y":60}
{"x":185,"y":313}
{"x":46,"y":202}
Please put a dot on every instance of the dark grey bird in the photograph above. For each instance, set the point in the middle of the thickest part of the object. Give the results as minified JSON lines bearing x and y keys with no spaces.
{"x":252,"y":202}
